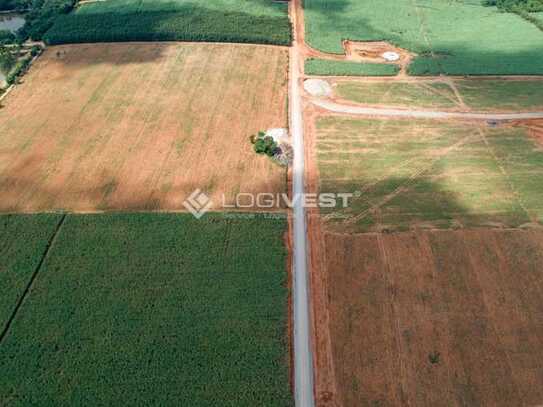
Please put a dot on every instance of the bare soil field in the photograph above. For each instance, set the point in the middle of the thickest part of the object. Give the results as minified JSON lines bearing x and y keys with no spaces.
{"x":140,"y":126}
{"x":436,"y":318}
{"x":426,"y":317}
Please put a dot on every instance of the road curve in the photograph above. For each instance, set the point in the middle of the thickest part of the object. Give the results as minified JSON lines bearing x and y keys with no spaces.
{"x":303,"y":358}
{"x":421,"y":114}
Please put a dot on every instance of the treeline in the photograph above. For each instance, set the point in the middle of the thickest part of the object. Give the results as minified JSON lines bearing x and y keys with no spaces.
{"x":15,"y":61}
{"x":14,"y":5}
{"x":189,"y":25}
{"x":21,"y":66}
{"x":42,"y":17}
{"x":529,"y":6}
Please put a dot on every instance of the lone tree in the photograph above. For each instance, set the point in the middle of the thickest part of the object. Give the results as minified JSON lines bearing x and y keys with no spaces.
{"x":266,"y":145}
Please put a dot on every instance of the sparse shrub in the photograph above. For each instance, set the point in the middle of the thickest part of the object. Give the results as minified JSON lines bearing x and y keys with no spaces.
{"x":35,"y":50}
{"x":434,"y":357}
{"x":18,"y":70}
{"x":7,"y":59}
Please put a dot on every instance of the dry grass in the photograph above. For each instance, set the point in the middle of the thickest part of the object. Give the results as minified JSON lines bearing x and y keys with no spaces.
{"x":140,"y":126}
{"x":447,"y":94}
{"x":431,"y":174}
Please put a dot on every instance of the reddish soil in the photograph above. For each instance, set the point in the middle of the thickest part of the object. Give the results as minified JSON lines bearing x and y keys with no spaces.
{"x":426,"y":318}
{"x":535,"y":128}
{"x":325,"y":380}
{"x":139,"y":126}
{"x":436,"y":318}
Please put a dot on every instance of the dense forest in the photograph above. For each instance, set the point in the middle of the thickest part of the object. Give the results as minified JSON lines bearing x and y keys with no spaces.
{"x":8,"y":5}
{"x":43,"y":15}
{"x":512,"y":5}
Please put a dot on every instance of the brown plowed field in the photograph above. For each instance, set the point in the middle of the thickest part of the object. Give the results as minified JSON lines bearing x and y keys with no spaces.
{"x":437,"y":318}
{"x":140,"y":126}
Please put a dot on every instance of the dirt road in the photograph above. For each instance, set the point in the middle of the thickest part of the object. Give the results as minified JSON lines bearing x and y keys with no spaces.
{"x":421,"y":114}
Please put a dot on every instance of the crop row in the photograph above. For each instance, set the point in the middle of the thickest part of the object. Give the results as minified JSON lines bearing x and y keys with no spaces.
{"x":153,"y":309}
{"x":449,"y":37}
{"x":204,"y":25}
{"x":348,"y":68}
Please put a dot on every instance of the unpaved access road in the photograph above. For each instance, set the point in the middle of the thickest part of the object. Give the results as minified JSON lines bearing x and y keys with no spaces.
{"x":303,"y":358}
{"x":421,"y":114}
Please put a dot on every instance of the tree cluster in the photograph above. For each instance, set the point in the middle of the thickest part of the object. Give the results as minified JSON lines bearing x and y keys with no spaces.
{"x":513,"y":5}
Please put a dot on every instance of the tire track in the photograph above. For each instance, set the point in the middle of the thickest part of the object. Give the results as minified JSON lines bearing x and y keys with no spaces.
{"x":28,"y":287}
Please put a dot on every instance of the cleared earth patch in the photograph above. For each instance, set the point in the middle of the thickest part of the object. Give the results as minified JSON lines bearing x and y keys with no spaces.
{"x":144,"y":309}
{"x":140,"y":126}
{"x":436,"y":318}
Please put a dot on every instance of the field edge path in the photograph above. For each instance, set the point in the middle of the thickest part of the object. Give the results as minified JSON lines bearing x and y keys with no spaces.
{"x":421,"y":114}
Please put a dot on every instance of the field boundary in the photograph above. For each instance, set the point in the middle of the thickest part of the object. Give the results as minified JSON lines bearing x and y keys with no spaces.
{"x":33,"y":277}
{"x":362,"y":110}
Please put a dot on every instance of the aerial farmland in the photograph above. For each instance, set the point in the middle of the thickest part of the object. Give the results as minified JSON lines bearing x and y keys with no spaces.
{"x":133,"y":271}
{"x":428,"y":282}
{"x":138,"y":125}
{"x":111,"y":291}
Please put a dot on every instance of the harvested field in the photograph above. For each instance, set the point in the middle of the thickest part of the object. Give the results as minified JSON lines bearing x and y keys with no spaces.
{"x":140,"y":126}
{"x":436,"y":318}
{"x":429,"y":174}
{"x":145,"y":309}
{"x":451,"y":94}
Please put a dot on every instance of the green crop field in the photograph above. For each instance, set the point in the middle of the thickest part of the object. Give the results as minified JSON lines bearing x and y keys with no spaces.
{"x":251,"y":7}
{"x":24,"y":239}
{"x":255,"y":21}
{"x":481,"y":95}
{"x":348,"y":68}
{"x":424,"y":173}
{"x":399,"y":94}
{"x":451,"y":37}
{"x":145,"y":309}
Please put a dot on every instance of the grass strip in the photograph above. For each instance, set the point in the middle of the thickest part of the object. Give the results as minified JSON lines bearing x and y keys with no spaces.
{"x":348,"y":68}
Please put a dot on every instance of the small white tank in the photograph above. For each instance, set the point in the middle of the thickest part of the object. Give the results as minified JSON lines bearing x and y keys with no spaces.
{"x":391,"y":56}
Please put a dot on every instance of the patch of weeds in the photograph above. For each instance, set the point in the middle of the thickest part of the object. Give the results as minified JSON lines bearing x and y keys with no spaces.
{"x":434,"y":357}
